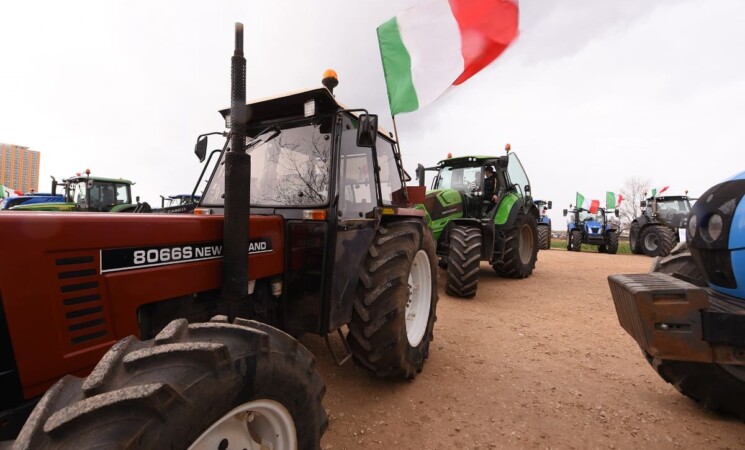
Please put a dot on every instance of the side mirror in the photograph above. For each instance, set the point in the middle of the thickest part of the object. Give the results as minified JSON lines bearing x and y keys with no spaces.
{"x":549,"y":204}
{"x":527,"y":190}
{"x":616,"y":212}
{"x":201,"y":148}
{"x":89,"y":184}
{"x":643,"y":203}
{"x":503,"y":162}
{"x":420,"y":174}
{"x":564,"y":213}
{"x":367,"y":132}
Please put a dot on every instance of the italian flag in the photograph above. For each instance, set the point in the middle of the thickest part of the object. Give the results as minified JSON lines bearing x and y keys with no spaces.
{"x":589,"y":205}
{"x":612,"y":200}
{"x":656,"y":192}
{"x":441,"y":43}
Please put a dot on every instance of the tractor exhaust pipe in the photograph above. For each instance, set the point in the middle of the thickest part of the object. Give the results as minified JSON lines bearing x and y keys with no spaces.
{"x":237,"y":180}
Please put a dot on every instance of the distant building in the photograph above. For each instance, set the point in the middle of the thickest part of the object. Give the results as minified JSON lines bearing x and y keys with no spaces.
{"x":19,"y":167}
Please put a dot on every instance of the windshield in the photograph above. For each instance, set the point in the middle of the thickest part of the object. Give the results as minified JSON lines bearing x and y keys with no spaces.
{"x":517,"y":173}
{"x":460,"y":178}
{"x":288,"y":169}
{"x":673,"y":206}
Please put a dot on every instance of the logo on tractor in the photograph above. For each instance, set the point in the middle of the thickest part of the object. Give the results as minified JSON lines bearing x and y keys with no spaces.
{"x":118,"y":259}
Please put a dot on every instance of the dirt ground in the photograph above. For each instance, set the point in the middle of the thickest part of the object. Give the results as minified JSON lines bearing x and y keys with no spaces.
{"x":535,"y":363}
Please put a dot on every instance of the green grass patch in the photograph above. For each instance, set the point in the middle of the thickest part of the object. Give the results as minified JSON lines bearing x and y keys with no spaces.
{"x":623,"y":247}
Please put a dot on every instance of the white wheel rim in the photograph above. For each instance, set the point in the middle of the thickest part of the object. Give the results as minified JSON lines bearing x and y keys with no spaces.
{"x":420,"y":298}
{"x":254,"y":425}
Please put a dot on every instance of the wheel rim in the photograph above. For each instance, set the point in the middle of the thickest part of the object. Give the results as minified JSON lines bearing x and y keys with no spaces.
{"x":249,"y":426}
{"x":526,"y":244}
{"x":651,"y":242}
{"x":420,"y":298}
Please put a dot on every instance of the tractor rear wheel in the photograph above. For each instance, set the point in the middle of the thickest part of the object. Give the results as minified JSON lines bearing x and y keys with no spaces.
{"x":395,"y":301}
{"x":464,"y":259}
{"x":719,"y":387}
{"x":612,"y":247}
{"x":204,"y":385}
{"x":544,"y":237}
{"x":634,"y":242}
{"x":657,"y":240}
{"x":520,"y":249}
{"x":576,"y":241}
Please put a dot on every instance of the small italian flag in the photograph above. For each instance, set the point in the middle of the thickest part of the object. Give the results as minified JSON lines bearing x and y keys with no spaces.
{"x":656,"y":192}
{"x":613,"y":201}
{"x":441,"y":43}
{"x":589,"y":205}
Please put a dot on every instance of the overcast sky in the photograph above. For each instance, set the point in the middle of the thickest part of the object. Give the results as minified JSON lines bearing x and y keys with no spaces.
{"x":590,"y":93}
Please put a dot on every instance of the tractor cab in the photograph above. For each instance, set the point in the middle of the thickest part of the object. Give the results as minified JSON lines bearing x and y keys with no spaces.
{"x":670,"y":210}
{"x":331,"y":175}
{"x":84,"y":192}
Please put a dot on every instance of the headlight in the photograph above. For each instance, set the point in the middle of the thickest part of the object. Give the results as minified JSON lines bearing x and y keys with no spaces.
{"x":714,"y":227}
{"x":692,"y":227}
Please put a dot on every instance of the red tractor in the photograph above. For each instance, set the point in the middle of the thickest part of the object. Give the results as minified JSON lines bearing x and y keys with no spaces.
{"x":305,"y":225}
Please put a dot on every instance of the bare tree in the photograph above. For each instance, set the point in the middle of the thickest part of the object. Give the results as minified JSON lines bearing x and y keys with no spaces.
{"x":634,"y":190}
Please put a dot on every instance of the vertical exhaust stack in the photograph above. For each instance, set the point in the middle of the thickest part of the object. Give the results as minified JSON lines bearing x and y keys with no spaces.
{"x":237,"y":183}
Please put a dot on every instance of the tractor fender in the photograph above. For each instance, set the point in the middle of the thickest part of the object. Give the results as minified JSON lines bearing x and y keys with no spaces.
{"x":509,"y":206}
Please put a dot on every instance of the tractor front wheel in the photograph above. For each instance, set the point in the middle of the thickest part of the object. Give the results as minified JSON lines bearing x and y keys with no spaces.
{"x":395,"y":301}
{"x":204,"y":385}
{"x":657,"y":240}
{"x":464,"y":259}
{"x":612,"y":239}
{"x":634,"y":242}
{"x":520,"y":249}
{"x":576,"y":241}
{"x":719,"y":387}
{"x":544,"y":237}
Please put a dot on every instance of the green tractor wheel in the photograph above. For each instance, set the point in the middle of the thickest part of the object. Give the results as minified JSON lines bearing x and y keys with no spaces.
{"x":464,"y":258}
{"x":520,"y":249}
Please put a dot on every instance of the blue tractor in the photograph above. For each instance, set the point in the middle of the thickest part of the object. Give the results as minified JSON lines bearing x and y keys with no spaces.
{"x":544,"y":224}
{"x":688,"y":313}
{"x":585,"y":227}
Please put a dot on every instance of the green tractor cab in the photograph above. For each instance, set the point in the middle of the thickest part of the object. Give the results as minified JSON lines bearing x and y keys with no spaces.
{"x":470,"y":227}
{"x":84,"y":192}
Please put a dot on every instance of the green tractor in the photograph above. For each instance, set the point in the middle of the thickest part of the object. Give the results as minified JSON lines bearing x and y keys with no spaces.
{"x":91,"y":194}
{"x":470,"y":228}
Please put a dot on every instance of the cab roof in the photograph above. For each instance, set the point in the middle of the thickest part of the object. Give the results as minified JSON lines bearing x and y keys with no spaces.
{"x":292,"y":106}
{"x":469,"y":161}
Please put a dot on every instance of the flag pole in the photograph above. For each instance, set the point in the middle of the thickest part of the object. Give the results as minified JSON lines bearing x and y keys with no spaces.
{"x":395,"y":133}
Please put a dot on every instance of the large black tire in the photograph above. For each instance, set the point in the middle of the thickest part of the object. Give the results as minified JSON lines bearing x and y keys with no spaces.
{"x":612,"y":239}
{"x":718,"y":387}
{"x":464,"y":261}
{"x":657,"y":240}
{"x":576,"y":241}
{"x":395,"y":301}
{"x":520,"y":249}
{"x":634,"y":241}
{"x":544,"y":237}
{"x":166,"y":392}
